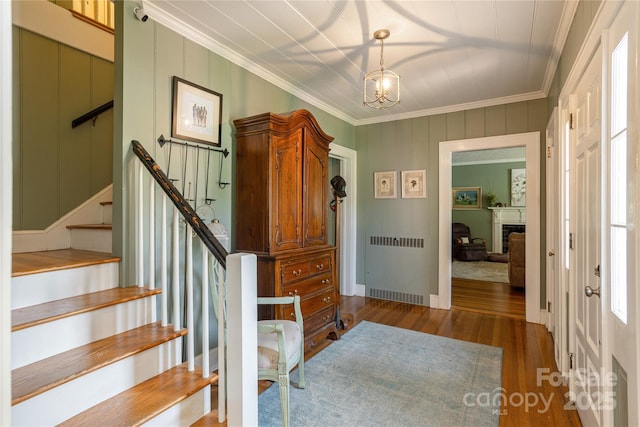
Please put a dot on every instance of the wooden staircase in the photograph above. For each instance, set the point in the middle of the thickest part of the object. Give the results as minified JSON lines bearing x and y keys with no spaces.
{"x":88,"y":352}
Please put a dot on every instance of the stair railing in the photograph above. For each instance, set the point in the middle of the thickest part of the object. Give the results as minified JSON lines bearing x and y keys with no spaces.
{"x":230,"y":278}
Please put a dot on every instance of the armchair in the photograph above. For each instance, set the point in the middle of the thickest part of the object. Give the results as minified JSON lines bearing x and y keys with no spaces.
{"x":280,"y":349}
{"x":465,"y":247}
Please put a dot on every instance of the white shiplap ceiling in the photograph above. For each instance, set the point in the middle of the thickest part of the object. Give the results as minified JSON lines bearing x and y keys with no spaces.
{"x":451,"y":55}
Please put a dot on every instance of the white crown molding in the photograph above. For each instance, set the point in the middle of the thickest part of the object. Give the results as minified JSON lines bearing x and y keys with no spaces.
{"x":568,"y":12}
{"x":182,"y":28}
{"x":454,"y":108}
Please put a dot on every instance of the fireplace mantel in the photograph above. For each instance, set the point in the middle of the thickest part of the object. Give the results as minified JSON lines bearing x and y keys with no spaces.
{"x":508,"y":215}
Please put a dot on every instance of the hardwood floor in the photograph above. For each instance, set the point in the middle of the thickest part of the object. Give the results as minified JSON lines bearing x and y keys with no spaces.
{"x":529,"y":400}
{"x":488,"y":297}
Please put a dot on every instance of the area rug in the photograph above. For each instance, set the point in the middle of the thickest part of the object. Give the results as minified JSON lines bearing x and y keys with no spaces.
{"x":379,"y":375}
{"x":480,"y":270}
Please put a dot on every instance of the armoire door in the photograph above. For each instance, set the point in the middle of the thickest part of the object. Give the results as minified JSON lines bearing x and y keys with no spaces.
{"x":287,"y":192}
{"x":315,"y":194}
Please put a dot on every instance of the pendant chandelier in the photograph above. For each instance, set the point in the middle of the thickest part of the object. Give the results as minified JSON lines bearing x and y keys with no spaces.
{"x":381,"y":87}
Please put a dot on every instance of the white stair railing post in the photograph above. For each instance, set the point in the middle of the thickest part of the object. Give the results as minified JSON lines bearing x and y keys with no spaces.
{"x":206,"y":369}
{"x":242,"y":340}
{"x":188,"y":265}
{"x":222,"y":342}
{"x":164,"y":266}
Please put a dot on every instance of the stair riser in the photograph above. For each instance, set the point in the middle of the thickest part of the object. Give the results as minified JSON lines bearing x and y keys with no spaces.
{"x":32,"y":344}
{"x":107,"y":214}
{"x":73,"y":397}
{"x":92,"y":240}
{"x":186,"y":412}
{"x":39,"y":288}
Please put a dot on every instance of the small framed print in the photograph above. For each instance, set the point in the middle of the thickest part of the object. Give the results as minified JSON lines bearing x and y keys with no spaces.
{"x":467,"y":197}
{"x":197,"y":113}
{"x":385,"y":184}
{"x":518,"y":187}
{"x":414,"y":184}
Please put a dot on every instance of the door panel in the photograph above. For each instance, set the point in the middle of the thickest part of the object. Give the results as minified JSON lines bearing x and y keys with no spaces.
{"x":286,"y":194}
{"x":586,"y":260}
{"x":315,"y":216}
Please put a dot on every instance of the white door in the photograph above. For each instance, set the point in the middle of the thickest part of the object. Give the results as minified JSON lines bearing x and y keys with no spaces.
{"x":553,"y":237}
{"x":586,"y":232}
{"x":621,"y":320}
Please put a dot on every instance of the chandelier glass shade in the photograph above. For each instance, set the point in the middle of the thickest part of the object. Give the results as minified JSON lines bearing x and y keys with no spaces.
{"x":381,"y":88}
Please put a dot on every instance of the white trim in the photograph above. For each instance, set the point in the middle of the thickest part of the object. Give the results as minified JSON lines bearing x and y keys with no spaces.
{"x":360,"y":290}
{"x":531,"y":141}
{"x":57,"y":23}
{"x":6,"y":213}
{"x":489,"y":162}
{"x":57,"y":236}
{"x":349,"y":224}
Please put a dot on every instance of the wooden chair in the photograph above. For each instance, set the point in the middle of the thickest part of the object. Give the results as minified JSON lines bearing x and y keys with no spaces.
{"x":280,"y":349}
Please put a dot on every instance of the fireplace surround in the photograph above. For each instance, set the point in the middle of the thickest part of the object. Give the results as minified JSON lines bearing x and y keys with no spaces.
{"x":513,"y":218}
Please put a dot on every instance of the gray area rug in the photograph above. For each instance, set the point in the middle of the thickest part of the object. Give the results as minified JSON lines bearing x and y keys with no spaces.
{"x":379,"y":375}
{"x":480,"y":270}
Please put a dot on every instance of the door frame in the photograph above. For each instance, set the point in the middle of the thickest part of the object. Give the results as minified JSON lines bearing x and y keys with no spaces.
{"x":531,"y":142}
{"x":348,"y":220}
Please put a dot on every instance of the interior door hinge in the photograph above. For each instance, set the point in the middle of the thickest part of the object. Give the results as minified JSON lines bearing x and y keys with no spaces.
{"x":571,"y":241}
{"x":571,"y":121}
{"x":571,"y":360}
{"x":548,"y":152}
{"x":549,"y":306}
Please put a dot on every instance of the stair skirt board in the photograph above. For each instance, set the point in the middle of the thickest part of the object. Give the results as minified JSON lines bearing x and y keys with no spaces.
{"x":186,"y":412}
{"x":45,"y":340}
{"x":33,"y":289}
{"x":66,"y":400}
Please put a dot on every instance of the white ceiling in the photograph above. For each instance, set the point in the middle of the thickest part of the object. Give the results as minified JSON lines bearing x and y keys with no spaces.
{"x":451,"y":55}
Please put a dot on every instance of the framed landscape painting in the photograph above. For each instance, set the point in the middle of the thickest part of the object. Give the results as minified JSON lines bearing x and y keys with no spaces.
{"x":467,"y":197}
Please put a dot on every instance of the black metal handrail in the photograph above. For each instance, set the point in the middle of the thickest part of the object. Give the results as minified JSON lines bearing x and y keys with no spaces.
{"x":187,"y":212}
{"x":92,"y":114}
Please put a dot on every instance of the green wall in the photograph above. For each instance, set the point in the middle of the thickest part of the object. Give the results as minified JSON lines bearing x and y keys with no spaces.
{"x":492,"y":177}
{"x":413,"y":144}
{"x":57,"y":167}
{"x":148,"y":55}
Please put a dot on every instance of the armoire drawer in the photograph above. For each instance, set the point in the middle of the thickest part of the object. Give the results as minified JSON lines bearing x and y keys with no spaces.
{"x":299,"y":269}
{"x":309,"y":286}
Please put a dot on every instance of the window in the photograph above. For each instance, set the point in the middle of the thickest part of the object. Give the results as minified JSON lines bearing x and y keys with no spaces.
{"x":618,"y":179}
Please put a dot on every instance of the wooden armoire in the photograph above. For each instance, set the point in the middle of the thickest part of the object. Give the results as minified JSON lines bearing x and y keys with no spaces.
{"x":282,"y":202}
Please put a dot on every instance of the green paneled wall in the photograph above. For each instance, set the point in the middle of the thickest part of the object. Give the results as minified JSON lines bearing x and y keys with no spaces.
{"x":413,"y":144}
{"x":56,"y":167}
{"x":493,"y":177}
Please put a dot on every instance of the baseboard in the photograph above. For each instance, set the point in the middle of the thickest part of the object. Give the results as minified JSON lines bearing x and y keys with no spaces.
{"x":359,"y":290}
{"x":434,"y":301}
{"x":57,"y":236}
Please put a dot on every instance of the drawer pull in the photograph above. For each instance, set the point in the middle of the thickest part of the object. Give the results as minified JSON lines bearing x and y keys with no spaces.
{"x":295,"y":292}
{"x":326,"y":318}
{"x":325,"y":281}
{"x":326,"y":299}
{"x":293,"y":315}
{"x":320,"y":266}
{"x":296,"y":272}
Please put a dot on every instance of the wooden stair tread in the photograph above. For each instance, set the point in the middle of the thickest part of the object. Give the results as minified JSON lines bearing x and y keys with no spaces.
{"x":39,"y":377}
{"x":25,"y":317}
{"x":143,"y":402}
{"x":90,"y":227}
{"x":44,"y":261}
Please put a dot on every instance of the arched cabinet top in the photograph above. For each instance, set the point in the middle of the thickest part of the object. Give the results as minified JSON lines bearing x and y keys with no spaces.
{"x":284,"y":122}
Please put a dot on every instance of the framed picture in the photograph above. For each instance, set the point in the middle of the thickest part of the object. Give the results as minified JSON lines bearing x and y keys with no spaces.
{"x":385,"y":184}
{"x":414,"y":184}
{"x":197,"y":112}
{"x":518,"y":187}
{"x":467,"y":197}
